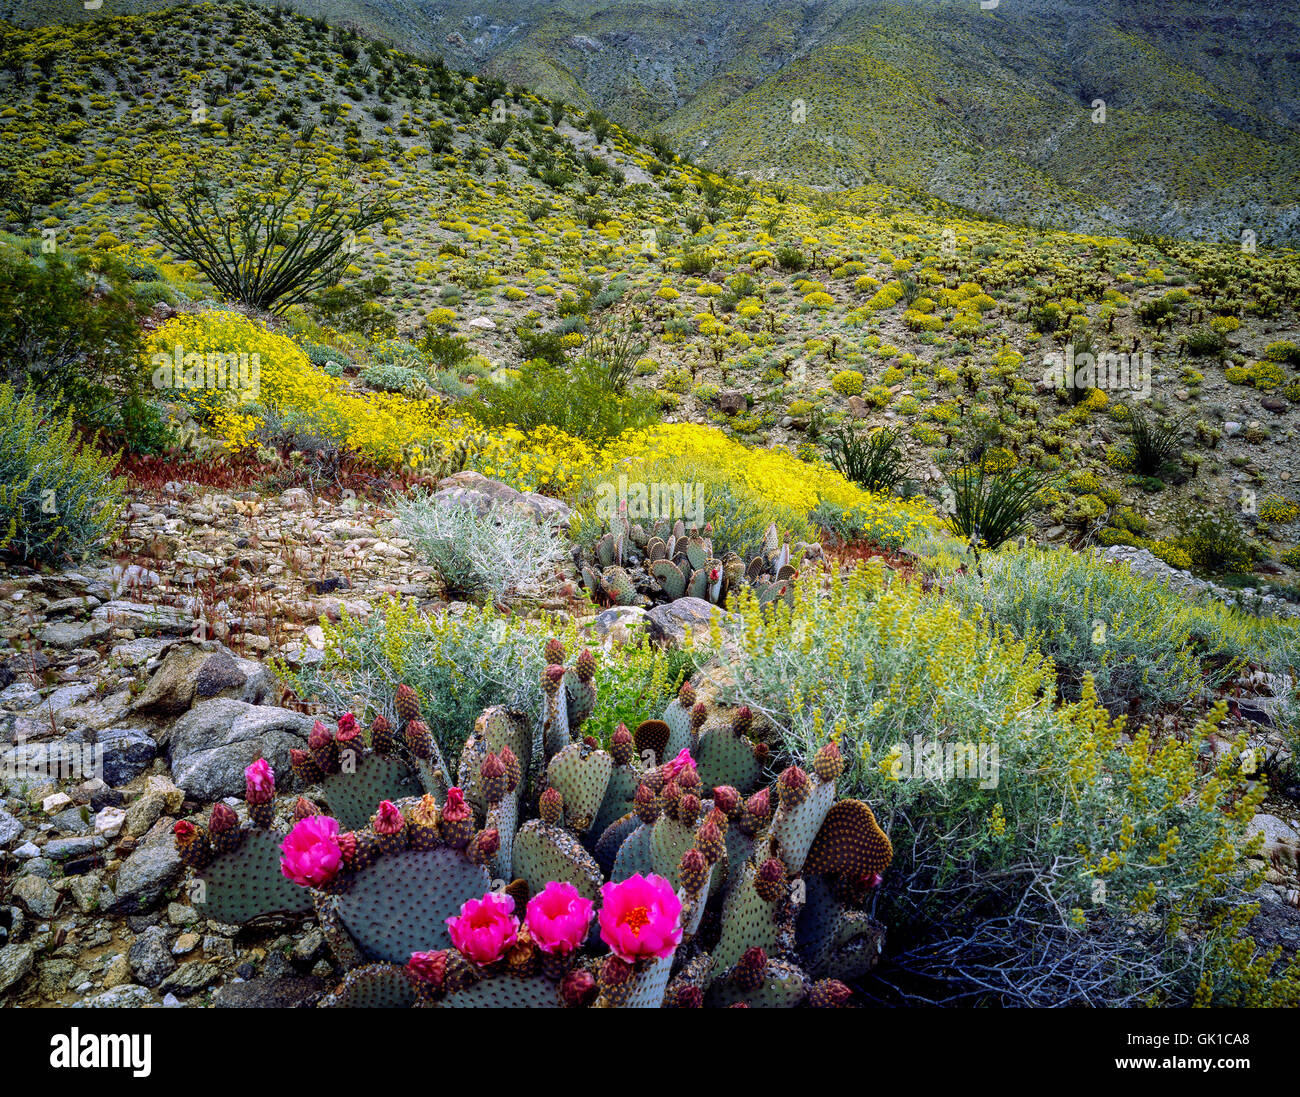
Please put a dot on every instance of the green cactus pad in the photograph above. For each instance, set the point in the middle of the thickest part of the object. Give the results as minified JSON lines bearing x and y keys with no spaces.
{"x":669,"y":839}
{"x":623,"y":782}
{"x":678,"y":720}
{"x":725,"y":758}
{"x":581,"y":699}
{"x":544,"y":853}
{"x":784,"y":986}
{"x":611,"y":840}
{"x":633,"y":855}
{"x":374,"y":986}
{"x":670,"y":578}
{"x":794,"y":831}
{"x":581,"y":776}
{"x":747,"y":920}
{"x":506,"y":992}
{"x":649,"y":985}
{"x":504,"y":818}
{"x":400,"y":904}
{"x":247,"y":883}
{"x":555,"y":720}
{"x":351,"y":798}
{"x":618,"y":586}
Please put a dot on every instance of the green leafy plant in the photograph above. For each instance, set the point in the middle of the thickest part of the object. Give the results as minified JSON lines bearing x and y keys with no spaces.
{"x":873,"y":462}
{"x":993,"y":507}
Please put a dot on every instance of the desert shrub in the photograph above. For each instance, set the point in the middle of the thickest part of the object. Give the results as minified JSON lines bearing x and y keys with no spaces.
{"x":389,"y":377}
{"x":1213,"y":541}
{"x":59,"y":500}
{"x":505,"y":551}
{"x":576,"y":399}
{"x":1205,"y":341}
{"x":69,"y":332}
{"x":848,"y":382}
{"x":1134,"y":637}
{"x":994,"y":507}
{"x":999,"y":858}
{"x":873,"y":462}
{"x":459,"y":665}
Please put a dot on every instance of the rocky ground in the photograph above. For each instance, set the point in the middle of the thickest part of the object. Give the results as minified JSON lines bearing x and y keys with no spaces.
{"x":161,"y":662}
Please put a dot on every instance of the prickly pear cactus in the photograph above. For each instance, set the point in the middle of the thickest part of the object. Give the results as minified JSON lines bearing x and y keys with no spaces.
{"x":453,"y":896}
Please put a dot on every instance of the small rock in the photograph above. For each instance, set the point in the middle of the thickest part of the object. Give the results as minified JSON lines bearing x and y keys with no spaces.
{"x":190,"y":978}
{"x":15,"y":962}
{"x":151,"y":957}
{"x":37,"y":895}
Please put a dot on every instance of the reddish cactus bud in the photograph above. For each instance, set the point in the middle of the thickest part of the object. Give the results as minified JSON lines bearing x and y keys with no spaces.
{"x":320,"y":737}
{"x":727,"y":800}
{"x":761,"y":751}
{"x":554,"y":650}
{"x":792,"y":787}
{"x":485,"y":845}
{"x":690,"y":997}
{"x":348,"y":726}
{"x":770,"y":882}
{"x":749,"y":971}
{"x":622,"y":746}
{"x":585,"y":665}
{"x":615,"y":972}
{"x":742,"y":720}
{"x":552,"y":676}
{"x":381,"y":735}
{"x":348,"y":846}
{"x":429,"y":967}
{"x":407,"y":703}
{"x":645,"y":803}
{"x":222,"y":819}
{"x":419,"y":739}
{"x":303,"y":808}
{"x":578,"y":988}
{"x":688,"y":809}
{"x":692,"y":871}
{"x":550,"y":806}
{"x":514,"y":774}
{"x":699,"y":713}
{"x":387,"y":820}
{"x":709,"y":841}
{"x":829,"y":994}
{"x":828,"y":763}
{"x":686,"y":696}
{"x":492,"y":771}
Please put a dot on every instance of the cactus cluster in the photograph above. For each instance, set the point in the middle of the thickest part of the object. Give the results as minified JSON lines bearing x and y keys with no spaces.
{"x":668,"y":870}
{"x":630,"y":565}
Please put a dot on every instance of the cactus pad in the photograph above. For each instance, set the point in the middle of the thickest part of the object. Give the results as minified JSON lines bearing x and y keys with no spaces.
{"x":247,"y":883}
{"x":352,"y":797}
{"x":795,"y":828}
{"x":747,"y":921}
{"x":633,"y":855}
{"x":506,"y":992}
{"x":612,"y":838}
{"x":374,"y":986}
{"x":849,"y":842}
{"x":399,"y":905}
{"x":725,"y":758}
{"x":619,"y":792}
{"x":784,"y":985}
{"x":544,"y":853}
{"x":581,"y":776}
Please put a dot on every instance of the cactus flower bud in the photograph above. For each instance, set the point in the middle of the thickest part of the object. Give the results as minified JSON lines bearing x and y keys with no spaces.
{"x":699,"y":713}
{"x":585,"y":665}
{"x":792,"y":787}
{"x":621,"y":746}
{"x":222,"y":819}
{"x":407,"y":703}
{"x":419,"y":738}
{"x":554,"y":650}
{"x":551,"y":806}
{"x":828,"y":763}
{"x":485,"y":845}
{"x":348,"y":726}
{"x":429,"y":967}
{"x":492,"y":772}
{"x":552,"y":676}
{"x":688,"y":808}
{"x":615,"y":972}
{"x":388,"y":819}
{"x":709,"y":841}
{"x":771,"y":880}
{"x":727,"y":800}
{"x":645,"y":803}
{"x":304,"y":807}
{"x":348,"y":846}
{"x":829,"y":994}
{"x":692,"y":871}
{"x":742,"y":720}
{"x":686,"y":696}
{"x":514,"y":774}
{"x":749,"y":971}
{"x":259,"y":782}
{"x":578,"y":988}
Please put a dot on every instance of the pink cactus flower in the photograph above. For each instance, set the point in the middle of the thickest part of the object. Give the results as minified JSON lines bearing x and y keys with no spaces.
{"x":310,"y":855}
{"x":485,"y":928}
{"x":429,"y":966}
{"x":641,"y":916}
{"x":683,"y":761}
{"x":259,"y":782}
{"x":347,"y":725}
{"x":558,"y":918}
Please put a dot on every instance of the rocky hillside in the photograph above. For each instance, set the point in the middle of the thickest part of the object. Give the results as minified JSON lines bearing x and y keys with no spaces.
{"x":993,"y":110}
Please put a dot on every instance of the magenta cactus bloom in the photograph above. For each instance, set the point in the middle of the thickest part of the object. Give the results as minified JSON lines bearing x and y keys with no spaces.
{"x":682,"y":762}
{"x":641,"y":916}
{"x":558,"y":918}
{"x":259,"y":782}
{"x":485,"y":928}
{"x":310,"y":855}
